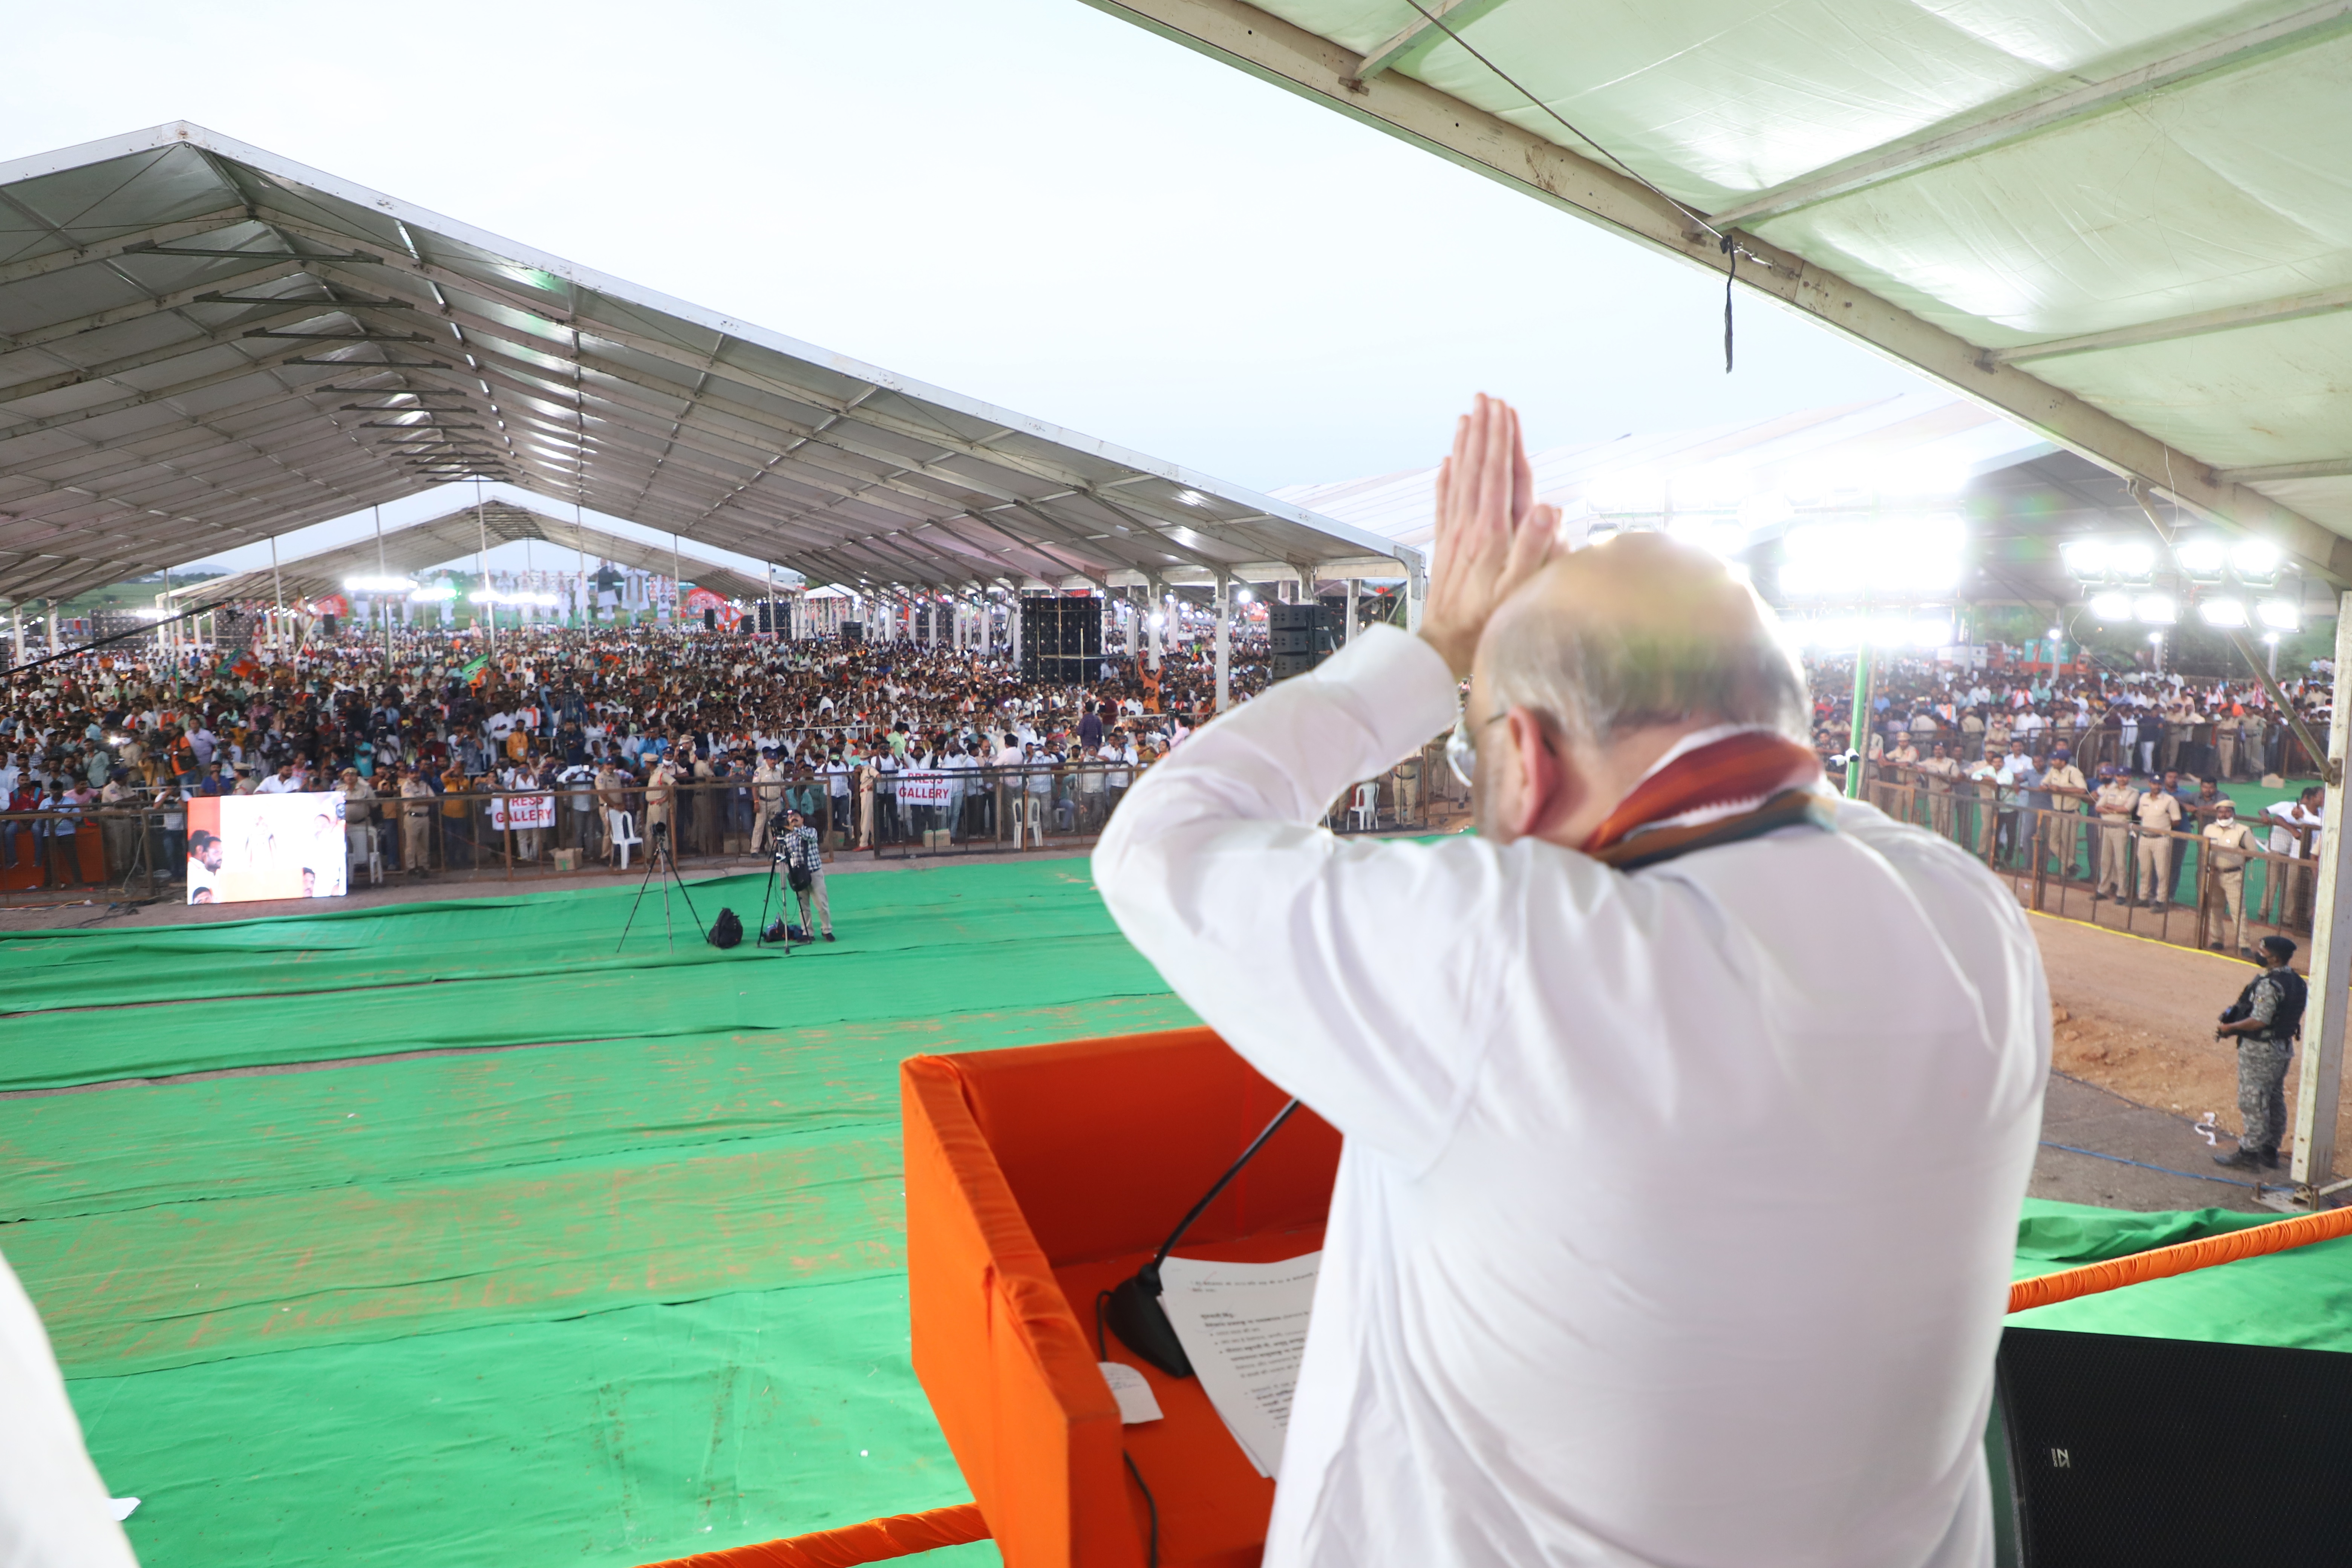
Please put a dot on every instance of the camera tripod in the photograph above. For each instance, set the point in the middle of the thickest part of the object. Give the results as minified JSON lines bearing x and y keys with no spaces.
{"x":658,"y":854}
{"x":776,"y":831}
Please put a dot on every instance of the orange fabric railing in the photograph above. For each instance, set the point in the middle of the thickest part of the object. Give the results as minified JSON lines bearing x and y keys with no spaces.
{"x":2163,"y":1262}
{"x":876,"y":1540}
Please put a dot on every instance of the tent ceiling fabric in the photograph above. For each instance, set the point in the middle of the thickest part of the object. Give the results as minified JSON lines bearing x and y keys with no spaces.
{"x":2129,"y":226}
{"x":203,"y":346}
{"x":453,"y":541}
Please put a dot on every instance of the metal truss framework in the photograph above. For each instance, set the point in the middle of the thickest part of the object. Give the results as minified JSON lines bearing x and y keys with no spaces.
{"x":203,"y":346}
{"x":455,"y":537}
{"x":1377,"y":90}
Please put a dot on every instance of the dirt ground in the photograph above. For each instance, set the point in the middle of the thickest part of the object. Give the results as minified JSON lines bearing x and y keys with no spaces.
{"x":2136,"y":1017}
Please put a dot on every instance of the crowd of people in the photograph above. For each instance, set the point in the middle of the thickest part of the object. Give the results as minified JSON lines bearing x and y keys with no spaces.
{"x":2113,"y":780}
{"x":451,"y":753}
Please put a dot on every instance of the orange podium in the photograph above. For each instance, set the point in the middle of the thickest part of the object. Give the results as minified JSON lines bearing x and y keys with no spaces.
{"x":1038,"y":1177}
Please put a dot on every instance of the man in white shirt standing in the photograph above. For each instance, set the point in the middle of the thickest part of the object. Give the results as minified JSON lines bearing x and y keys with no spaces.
{"x":1551,"y":1327}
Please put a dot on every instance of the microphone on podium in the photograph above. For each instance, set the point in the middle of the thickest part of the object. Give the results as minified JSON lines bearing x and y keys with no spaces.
{"x":1134,"y":1312}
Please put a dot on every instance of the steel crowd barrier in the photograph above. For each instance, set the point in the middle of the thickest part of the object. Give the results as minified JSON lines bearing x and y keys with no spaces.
{"x":2067,"y":860}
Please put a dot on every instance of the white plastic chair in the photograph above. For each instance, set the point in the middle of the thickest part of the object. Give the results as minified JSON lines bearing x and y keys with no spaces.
{"x":1365,"y":812}
{"x":624,"y":834}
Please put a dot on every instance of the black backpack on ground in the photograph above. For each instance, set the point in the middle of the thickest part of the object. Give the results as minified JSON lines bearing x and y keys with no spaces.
{"x":727,"y":929}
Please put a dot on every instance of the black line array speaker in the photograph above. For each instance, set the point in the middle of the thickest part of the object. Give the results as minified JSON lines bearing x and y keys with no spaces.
{"x":709,"y":620}
{"x":327,"y":625}
{"x":1061,"y":640}
{"x":1300,"y":637}
{"x":2128,"y":1452}
{"x":853,"y":631}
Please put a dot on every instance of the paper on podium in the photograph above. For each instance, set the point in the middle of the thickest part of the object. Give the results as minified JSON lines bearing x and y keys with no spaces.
{"x":1242,"y":1327}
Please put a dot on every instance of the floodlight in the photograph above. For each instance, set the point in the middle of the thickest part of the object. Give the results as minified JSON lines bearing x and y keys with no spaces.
{"x":1632,"y":490}
{"x":2155,"y":609}
{"x":1711,"y":488}
{"x":2225,"y":614}
{"x":2157,"y":637}
{"x":2112,"y":607}
{"x":1241,"y":597}
{"x":2087,"y":559}
{"x":434,"y":596}
{"x":482,"y":597}
{"x":2254,"y":560}
{"x":2131,"y":559}
{"x":1914,"y":477}
{"x":2280,"y":615}
{"x":2204,"y":559}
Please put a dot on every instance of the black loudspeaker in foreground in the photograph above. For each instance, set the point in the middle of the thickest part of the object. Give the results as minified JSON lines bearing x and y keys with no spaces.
{"x":2128,"y":1452}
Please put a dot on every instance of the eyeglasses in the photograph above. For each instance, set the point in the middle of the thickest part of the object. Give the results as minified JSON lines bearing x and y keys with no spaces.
{"x":1462,"y":746}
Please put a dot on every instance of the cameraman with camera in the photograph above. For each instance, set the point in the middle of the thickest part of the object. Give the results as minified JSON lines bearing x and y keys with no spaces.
{"x":803,"y":861}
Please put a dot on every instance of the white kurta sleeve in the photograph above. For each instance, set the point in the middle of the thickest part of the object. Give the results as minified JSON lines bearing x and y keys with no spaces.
{"x":53,"y":1506}
{"x":1358,"y":974}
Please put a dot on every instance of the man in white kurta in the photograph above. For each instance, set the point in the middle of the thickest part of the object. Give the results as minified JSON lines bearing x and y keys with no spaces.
{"x":1674,"y":1219}
{"x":53,"y":1512}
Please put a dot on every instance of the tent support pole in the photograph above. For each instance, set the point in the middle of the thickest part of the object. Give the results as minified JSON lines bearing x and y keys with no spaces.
{"x":1859,"y":723}
{"x":2331,"y":948}
{"x":1224,"y":641}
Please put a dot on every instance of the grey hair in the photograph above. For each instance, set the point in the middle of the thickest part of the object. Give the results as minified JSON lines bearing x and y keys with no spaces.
{"x":1599,"y":678}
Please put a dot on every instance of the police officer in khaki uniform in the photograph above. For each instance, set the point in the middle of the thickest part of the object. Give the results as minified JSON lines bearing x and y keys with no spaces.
{"x":2114,"y":805}
{"x":415,"y":824}
{"x":2067,"y":789}
{"x":2228,"y":842}
{"x":767,"y":794}
{"x":1937,"y":771}
{"x":2159,"y":816}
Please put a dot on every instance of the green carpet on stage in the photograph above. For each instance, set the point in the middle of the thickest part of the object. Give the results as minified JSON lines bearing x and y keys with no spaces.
{"x":617,"y":1274}
{"x":631,"y":1288}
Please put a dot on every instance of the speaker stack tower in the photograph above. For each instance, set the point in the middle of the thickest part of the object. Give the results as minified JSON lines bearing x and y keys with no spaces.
{"x":1061,"y":640}
{"x":1300,"y":637}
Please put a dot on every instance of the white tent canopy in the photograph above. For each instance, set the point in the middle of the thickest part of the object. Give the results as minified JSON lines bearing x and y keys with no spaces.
{"x":203,"y":346}
{"x":2126,"y":227}
{"x":1922,"y":446}
{"x":455,"y":540}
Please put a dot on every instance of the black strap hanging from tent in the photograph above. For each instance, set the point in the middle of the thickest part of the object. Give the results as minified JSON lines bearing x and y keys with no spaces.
{"x":1730,"y":247}
{"x":1730,"y":275}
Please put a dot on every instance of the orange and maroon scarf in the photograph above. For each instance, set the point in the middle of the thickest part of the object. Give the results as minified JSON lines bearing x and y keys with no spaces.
{"x":1718,"y":787}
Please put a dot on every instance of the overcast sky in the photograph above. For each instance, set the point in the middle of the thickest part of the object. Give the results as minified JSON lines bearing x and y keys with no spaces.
{"x":1026,"y":201}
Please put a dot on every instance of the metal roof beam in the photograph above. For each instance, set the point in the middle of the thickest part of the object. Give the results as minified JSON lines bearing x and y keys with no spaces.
{"x":2229,"y":318}
{"x":838,"y":481}
{"x":2318,"y":468}
{"x":1966,"y":135}
{"x":1404,"y":46}
{"x":125,"y":244}
{"x":180,"y":458}
{"x":195,"y":294}
{"x":1289,"y":56}
{"x":206,"y":340}
{"x":849,"y":409}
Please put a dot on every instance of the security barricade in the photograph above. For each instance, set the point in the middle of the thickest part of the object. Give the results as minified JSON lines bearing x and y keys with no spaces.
{"x":2175,"y":886}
